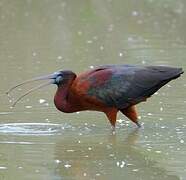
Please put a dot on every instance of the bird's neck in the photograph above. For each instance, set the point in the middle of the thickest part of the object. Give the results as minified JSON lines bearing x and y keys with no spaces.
{"x":61,"y":99}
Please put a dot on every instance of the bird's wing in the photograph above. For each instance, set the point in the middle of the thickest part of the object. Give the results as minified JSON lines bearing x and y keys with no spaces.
{"x":123,"y":85}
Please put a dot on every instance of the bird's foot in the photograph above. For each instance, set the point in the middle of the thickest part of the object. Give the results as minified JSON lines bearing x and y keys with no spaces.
{"x":138,"y":124}
{"x":113,"y":130}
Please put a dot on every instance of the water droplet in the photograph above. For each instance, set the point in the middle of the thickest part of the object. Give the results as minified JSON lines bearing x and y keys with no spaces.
{"x":130,"y":39}
{"x":101,"y":48}
{"x":135,"y":170}
{"x":47,"y":120}
{"x":34,"y":54}
{"x":46,"y":104}
{"x":111,"y":155}
{"x":168,"y":85}
{"x":70,"y":150}
{"x":135,"y":13}
{"x":120,"y":120}
{"x":80,"y":33}
{"x":122,"y":164}
{"x":28,"y":107}
{"x":67,"y":165}
{"x":42,"y":101}
{"x":59,"y":57}
{"x":143,"y":62}
{"x":182,"y":141}
{"x":89,"y":41}
{"x":10,"y":101}
{"x":117,"y":163}
{"x":120,"y":54}
{"x":129,"y":164}
{"x":180,"y":118}
{"x":84,"y":174}
{"x":57,"y":161}
{"x":91,"y":67}
{"x":158,"y":152}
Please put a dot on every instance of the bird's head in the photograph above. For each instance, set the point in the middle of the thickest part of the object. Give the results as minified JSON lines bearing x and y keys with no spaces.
{"x":60,"y":78}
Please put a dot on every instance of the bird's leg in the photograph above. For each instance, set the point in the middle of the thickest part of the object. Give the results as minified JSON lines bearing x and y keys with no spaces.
{"x":131,"y":113}
{"x":111,"y":115}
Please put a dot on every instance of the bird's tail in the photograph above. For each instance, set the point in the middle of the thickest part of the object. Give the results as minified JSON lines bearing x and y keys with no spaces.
{"x":175,"y":73}
{"x":166,"y":74}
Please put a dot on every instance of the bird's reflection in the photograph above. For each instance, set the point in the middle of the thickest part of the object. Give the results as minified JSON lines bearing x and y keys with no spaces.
{"x":108,"y":157}
{"x":131,"y":138}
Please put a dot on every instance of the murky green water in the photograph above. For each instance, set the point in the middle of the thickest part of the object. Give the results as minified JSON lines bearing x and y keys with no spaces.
{"x":39,"y":143}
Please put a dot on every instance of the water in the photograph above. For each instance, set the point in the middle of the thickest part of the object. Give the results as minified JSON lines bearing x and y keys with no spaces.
{"x":39,"y":37}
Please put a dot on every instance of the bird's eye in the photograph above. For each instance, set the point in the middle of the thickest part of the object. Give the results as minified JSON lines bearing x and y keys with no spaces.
{"x":59,"y":79}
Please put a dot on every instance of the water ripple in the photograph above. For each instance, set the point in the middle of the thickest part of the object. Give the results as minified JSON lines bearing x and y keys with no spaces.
{"x":32,"y":129}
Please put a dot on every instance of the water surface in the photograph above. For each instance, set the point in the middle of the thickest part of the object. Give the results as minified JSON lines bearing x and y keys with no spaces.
{"x":39,"y":37}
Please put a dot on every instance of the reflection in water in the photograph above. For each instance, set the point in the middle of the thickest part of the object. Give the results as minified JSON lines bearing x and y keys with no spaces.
{"x":108,"y":159}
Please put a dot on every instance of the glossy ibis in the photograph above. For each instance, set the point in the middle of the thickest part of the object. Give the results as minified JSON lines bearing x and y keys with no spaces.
{"x":107,"y":88}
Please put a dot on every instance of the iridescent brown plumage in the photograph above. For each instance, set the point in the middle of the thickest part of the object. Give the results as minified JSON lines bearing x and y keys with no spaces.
{"x":109,"y":88}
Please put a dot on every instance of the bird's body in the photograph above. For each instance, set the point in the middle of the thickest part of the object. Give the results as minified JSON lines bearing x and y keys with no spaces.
{"x":109,"y":88}
{"x":112,"y":88}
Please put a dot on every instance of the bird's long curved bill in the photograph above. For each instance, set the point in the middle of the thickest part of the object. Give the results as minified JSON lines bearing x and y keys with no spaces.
{"x":30,"y":91}
{"x":50,"y":77}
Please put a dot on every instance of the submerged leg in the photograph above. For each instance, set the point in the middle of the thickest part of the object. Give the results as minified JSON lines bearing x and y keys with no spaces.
{"x":131,"y":113}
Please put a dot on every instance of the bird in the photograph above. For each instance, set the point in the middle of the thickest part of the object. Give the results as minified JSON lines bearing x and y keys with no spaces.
{"x":107,"y":88}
